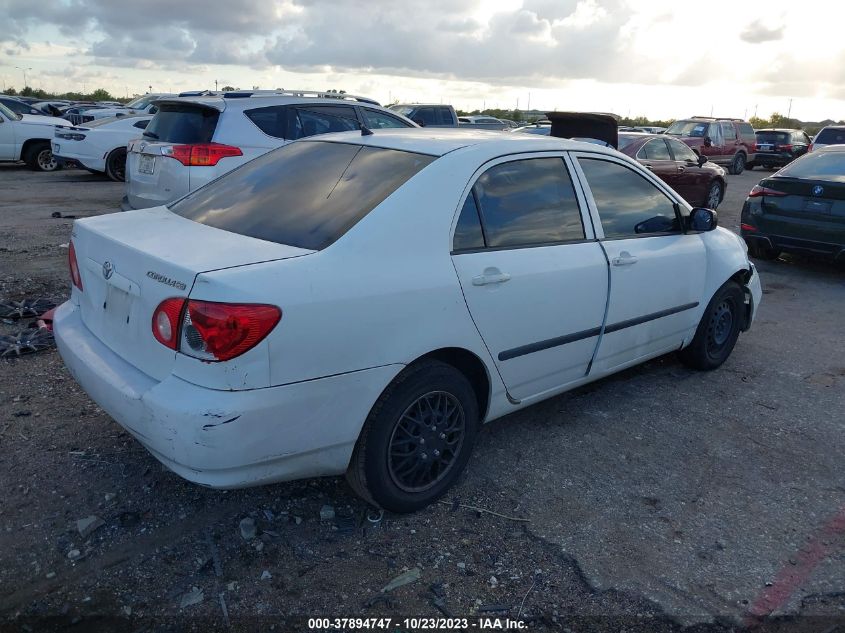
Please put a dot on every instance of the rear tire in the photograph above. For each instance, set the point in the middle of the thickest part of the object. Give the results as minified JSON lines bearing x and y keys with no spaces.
{"x":116,"y":165}
{"x":39,"y":157}
{"x":402,"y":462}
{"x":737,"y":164}
{"x":718,"y":330}
{"x":761,"y":251}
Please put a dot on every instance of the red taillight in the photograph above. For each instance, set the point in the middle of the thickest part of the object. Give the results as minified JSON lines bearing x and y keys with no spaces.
{"x":221,"y":331}
{"x":72,"y":264}
{"x":809,"y":148}
{"x":758,"y":191}
{"x":748,"y":227}
{"x":166,"y":320}
{"x":201,"y":154}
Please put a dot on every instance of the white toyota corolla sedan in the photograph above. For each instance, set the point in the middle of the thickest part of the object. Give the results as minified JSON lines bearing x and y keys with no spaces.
{"x":361,"y":303}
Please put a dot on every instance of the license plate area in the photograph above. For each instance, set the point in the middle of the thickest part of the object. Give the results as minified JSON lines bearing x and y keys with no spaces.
{"x":817,"y":206}
{"x":146,"y":163}
{"x":765,"y":147}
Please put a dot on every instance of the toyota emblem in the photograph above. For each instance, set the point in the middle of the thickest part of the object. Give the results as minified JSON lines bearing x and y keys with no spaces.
{"x":108,"y":269}
{"x":818,"y":190}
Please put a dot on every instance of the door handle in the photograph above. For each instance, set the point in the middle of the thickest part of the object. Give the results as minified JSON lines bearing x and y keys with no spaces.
{"x":681,"y":168}
{"x":625,"y":259}
{"x":490,"y":276}
{"x":648,"y":166}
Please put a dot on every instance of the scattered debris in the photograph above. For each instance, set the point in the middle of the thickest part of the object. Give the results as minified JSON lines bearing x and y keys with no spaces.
{"x":127,"y":610}
{"x":405,"y":578}
{"x":455,"y":505}
{"x":74,"y":554}
{"x":494,"y":608}
{"x":493,"y":582}
{"x":51,"y":574}
{"x":297,"y":520}
{"x":26,"y":308}
{"x":375,"y":516}
{"x":89,"y":525}
{"x":109,"y":496}
{"x":195,"y":596}
{"x":248,"y":529}
{"x":26,"y":341}
{"x":326,"y":513}
{"x":266,"y":575}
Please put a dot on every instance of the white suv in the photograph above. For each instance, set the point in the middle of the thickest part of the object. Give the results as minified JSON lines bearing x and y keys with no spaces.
{"x":193,"y":140}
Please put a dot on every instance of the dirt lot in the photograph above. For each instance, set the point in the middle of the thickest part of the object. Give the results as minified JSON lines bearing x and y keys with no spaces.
{"x":652,"y":500}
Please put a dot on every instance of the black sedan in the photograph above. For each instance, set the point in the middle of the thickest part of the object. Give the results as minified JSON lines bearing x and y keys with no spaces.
{"x":799,"y":209}
{"x":778,"y":147}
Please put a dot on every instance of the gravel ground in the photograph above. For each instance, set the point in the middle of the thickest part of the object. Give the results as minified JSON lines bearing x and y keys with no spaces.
{"x":656,"y":499}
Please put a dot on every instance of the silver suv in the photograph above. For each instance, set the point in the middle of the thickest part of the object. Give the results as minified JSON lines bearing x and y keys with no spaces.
{"x":192,"y":140}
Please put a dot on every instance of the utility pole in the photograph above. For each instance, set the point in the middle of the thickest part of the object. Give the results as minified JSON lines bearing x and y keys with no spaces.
{"x":529,"y":102}
{"x":755,"y":110}
{"x":215,"y":85}
{"x":789,"y":111}
{"x":24,"y":74}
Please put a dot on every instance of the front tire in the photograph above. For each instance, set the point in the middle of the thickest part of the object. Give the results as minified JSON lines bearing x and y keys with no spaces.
{"x":116,"y":165}
{"x":718,"y":329}
{"x":761,"y":251}
{"x":714,"y":195}
{"x":417,"y":438}
{"x":738,"y":164}
{"x":39,"y":157}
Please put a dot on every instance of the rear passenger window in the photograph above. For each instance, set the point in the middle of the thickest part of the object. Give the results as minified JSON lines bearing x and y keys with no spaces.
{"x":628,"y":204}
{"x":291,"y":123}
{"x":426,"y":115}
{"x":528,"y":202}
{"x":655,"y":149}
{"x":445,"y":116}
{"x":468,"y":233}
{"x":728,"y":131}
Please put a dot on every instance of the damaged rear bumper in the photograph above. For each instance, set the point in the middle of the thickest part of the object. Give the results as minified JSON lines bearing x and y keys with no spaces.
{"x":225,"y":439}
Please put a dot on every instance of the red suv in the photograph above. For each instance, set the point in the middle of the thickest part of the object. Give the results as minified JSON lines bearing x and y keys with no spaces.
{"x":727,"y":142}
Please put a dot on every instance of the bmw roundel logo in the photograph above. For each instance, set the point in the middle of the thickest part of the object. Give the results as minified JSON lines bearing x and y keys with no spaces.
{"x":818,"y":190}
{"x":108,"y":269}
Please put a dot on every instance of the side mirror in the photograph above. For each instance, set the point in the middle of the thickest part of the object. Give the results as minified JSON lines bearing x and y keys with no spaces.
{"x":418,"y":121}
{"x":701,"y":220}
{"x":701,"y":159}
{"x":708,"y":141}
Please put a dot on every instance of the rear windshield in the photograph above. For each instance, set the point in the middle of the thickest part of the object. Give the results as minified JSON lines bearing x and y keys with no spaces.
{"x":831,"y":136}
{"x":688,"y":128}
{"x":772,"y":137}
{"x":817,"y":166}
{"x":182,"y":123}
{"x":305,"y":194}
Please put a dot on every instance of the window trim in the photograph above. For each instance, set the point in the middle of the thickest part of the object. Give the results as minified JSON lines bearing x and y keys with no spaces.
{"x":679,"y":203}
{"x":586,"y":220}
{"x":362,"y":113}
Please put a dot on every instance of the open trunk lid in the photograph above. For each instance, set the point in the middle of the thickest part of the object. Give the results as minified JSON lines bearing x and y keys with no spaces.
{"x":130,"y":262}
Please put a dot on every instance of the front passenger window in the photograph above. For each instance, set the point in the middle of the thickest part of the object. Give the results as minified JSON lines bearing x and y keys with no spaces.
{"x":628,"y":204}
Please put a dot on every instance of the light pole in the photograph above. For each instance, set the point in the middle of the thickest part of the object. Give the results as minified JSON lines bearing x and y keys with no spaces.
{"x":24,"y":73}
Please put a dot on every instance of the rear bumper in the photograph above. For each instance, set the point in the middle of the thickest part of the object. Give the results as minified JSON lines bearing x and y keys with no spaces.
{"x":64,"y":157}
{"x":827,"y":250}
{"x":774,"y":160}
{"x":225,"y":439}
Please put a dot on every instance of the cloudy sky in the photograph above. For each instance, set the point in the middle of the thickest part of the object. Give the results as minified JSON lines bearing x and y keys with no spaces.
{"x":660,"y":58}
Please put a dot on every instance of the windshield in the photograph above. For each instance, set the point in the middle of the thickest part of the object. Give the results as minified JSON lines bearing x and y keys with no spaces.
{"x":816,"y":166}
{"x":403,"y":110}
{"x":305,"y":194}
{"x":688,"y":128}
{"x":142,"y":102}
{"x":9,"y":114}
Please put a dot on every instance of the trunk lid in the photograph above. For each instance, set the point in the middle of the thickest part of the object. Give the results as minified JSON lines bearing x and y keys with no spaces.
{"x":811,"y":209}
{"x":130,"y":262}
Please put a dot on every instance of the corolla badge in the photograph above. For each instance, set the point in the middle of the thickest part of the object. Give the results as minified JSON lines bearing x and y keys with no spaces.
{"x":818,"y":190}
{"x":108,"y":269}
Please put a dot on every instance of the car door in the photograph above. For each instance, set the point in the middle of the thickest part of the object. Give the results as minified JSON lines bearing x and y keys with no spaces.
{"x":657,"y":272}
{"x":7,"y":136}
{"x":730,"y":140}
{"x":655,"y":156}
{"x":692,"y":180}
{"x":533,"y":276}
{"x":713,"y":147}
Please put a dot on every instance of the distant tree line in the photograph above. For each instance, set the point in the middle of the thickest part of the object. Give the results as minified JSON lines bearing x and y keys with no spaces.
{"x":97,"y":95}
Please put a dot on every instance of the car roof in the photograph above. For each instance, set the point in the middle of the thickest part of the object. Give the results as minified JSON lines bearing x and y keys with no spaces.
{"x":441,"y":141}
{"x":221,"y":103}
{"x":779,"y":129}
{"x":830,"y":148}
